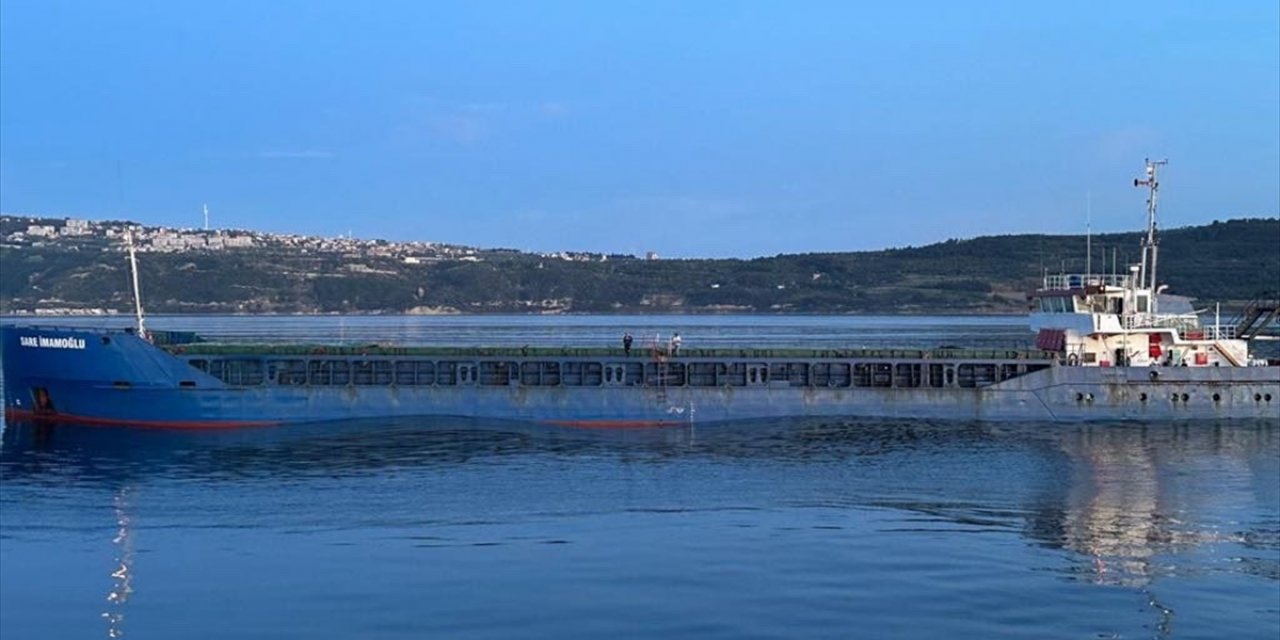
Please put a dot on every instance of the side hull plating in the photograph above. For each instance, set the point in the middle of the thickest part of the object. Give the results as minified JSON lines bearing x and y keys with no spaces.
{"x":117,"y":378}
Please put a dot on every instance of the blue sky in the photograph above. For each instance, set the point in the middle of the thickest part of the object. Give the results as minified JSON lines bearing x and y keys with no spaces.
{"x":686,"y":128}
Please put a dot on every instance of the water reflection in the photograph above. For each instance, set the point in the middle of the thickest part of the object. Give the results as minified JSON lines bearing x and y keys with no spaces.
{"x":1113,"y":514}
{"x":1138,"y":496}
{"x":1128,"y":503}
{"x":122,"y":576}
{"x":66,"y":453}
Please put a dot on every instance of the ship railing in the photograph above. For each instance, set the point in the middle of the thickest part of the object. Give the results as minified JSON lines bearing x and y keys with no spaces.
{"x":1184,"y":323}
{"x":1065,"y":282}
{"x":162,"y":337}
{"x":376,"y":350}
{"x":1187,"y":325}
{"x":1220,"y":332}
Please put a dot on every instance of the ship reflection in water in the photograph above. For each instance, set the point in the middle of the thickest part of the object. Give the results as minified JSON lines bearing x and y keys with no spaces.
{"x":1146,"y":509}
{"x":1113,"y":514}
{"x":1138,"y":497}
{"x":122,"y":576}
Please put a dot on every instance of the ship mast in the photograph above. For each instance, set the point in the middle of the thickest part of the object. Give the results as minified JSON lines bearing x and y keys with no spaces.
{"x":137,"y":295}
{"x":1088,"y":238}
{"x":1147,"y":274}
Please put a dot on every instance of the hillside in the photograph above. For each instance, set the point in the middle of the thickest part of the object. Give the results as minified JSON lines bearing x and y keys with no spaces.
{"x":1225,"y":262}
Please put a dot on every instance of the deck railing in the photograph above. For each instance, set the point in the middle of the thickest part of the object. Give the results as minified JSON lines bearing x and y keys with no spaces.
{"x":1187,"y":325}
{"x":1062,"y":282}
{"x":318,"y":350}
{"x":1220,"y":332}
{"x":1184,"y":323}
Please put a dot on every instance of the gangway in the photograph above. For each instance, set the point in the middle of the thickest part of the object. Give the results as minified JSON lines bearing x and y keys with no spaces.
{"x":1261,"y":312}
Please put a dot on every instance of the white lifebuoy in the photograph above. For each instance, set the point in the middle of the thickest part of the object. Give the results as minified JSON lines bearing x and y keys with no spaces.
{"x":1073,"y":360}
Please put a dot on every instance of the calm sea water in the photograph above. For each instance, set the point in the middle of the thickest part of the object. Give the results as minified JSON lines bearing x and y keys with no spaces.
{"x":797,"y":528}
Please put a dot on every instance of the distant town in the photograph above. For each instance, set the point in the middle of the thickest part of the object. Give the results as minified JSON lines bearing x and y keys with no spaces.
{"x":19,"y":231}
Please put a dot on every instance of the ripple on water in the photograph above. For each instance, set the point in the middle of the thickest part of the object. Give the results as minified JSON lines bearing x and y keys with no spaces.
{"x":816,"y":528}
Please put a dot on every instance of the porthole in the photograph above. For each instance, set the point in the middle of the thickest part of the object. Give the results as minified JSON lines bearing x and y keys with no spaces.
{"x":1142,"y":397}
{"x":1079,"y":397}
{"x":1174,"y":397}
{"x":1257,"y":397}
{"x":1267,"y":397}
{"x":1217,"y":397}
{"x":1088,"y":397}
{"x":1185,"y":397}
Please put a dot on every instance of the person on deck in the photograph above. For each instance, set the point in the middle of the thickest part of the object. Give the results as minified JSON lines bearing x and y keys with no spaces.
{"x":675,"y":345}
{"x":626,"y":342}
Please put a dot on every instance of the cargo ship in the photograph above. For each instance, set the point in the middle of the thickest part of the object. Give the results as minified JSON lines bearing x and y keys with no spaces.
{"x":1107,"y":347}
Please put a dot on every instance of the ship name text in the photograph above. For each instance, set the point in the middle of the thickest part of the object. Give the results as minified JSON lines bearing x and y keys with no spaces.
{"x":42,"y":342}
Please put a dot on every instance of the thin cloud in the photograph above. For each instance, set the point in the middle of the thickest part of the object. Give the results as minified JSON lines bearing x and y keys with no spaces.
{"x":553,"y":109}
{"x":302,"y":154}
{"x":685,"y":207}
{"x":483,"y":107}
{"x":461,"y":128}
{"x":1127,"y":143}
{"x":430,"y":118}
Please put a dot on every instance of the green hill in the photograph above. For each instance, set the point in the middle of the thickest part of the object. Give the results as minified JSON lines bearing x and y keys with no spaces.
{"x":1225,"y":262}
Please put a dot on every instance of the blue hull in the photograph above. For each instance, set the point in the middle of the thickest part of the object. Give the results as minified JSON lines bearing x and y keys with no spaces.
{"x":102,"y":377}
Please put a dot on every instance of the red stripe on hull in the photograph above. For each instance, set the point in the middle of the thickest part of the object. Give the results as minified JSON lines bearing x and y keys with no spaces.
{"x":616,"y":424}
{"x":13,"y":414}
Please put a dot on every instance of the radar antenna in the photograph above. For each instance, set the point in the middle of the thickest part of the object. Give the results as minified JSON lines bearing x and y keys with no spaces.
{"x":1147,"y":274}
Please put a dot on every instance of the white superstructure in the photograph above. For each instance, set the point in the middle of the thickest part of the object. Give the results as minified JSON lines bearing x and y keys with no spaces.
{"x":1126,"y":319}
